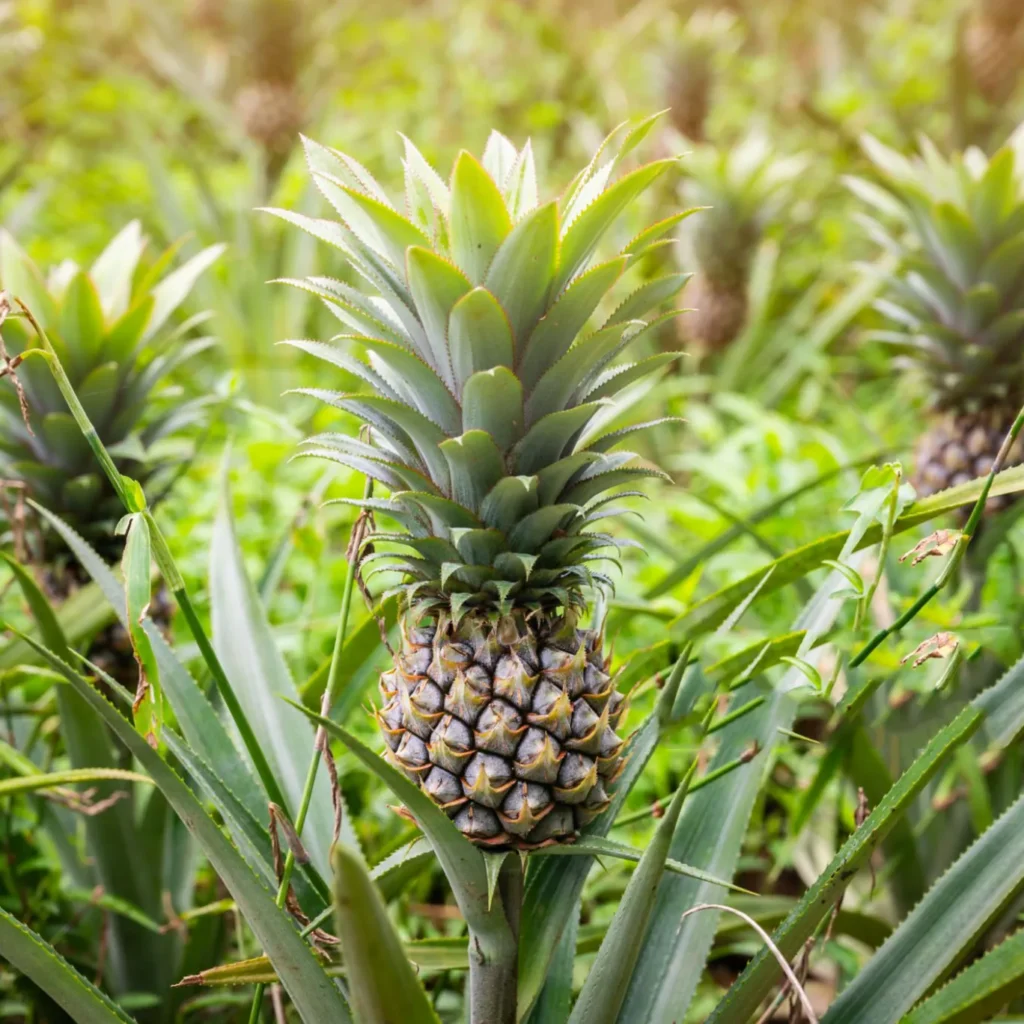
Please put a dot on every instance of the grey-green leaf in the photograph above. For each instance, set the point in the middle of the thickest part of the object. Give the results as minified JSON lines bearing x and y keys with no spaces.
{"x":383,"y":987}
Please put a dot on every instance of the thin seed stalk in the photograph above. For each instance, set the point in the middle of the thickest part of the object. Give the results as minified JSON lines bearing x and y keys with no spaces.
{"x":956,"y":555}
{"x":329,"y":697}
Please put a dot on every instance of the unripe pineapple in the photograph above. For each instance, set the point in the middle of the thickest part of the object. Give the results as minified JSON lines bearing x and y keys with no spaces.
{"x":271,"y":114}
{"x":744,"y":188}
{"x":110,"y":325}
{"x":483,"y":379}
{"x":956,"y":304}
{"x":993,"y":52}
{"x":269,"y":102}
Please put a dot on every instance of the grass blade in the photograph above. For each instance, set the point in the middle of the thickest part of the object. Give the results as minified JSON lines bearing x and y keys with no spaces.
{"x":37,"y":959}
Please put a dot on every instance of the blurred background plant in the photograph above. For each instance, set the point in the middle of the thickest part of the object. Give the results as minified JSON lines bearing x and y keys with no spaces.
{"x":186,"y":116}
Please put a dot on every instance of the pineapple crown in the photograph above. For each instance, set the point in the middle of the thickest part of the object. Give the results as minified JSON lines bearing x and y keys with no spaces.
{"x":956,"y":302}
{"x":110,"y":325}
{"x":486,"y":392}
{"x":744,"y":187}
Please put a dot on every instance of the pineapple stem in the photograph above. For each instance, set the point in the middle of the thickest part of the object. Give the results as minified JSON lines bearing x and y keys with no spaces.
{"x":494,"y":957}
{"x":319,"y":744}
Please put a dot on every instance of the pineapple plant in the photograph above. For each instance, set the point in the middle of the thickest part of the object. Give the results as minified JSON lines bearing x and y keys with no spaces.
{"x":689,"y":71}
{"x":991,"y":47}
{"x":111,"y":326}
{"x":955,"y":310}
{"x":744,"y":188}
{"x":485,"y":388}
{"x":689,"y":80}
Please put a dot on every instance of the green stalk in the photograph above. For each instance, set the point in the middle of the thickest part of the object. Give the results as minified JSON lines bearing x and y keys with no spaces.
{"x":956,"y":555}
{"x":134,"y":502}
{"x":329,"y":697}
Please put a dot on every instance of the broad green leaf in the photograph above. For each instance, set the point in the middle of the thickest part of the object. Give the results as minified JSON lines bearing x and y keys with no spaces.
{"x":523,"y":268}
{"x":980,"y":991}
{"x":492,"y":401}
{"x":311,"y":991}
{"x":383,"y":987}
{"x":479,"y":335}
{"x":479,"y":219}
{"x":511,"y":498}
{"x":1003,"y":704}
{"x":81,"y":323}
{"x":942,"y":929}
{"x":475,"y":466}
{"x":34,"y":957}
{"x":114,"y":268}
{"x":555,"y":388}
{"x":436,"y":287}
{"x":172,"y":291}
{"x":762,"y":972}
{"x":564,"y":320}
{"x":260,"y":677}
{"x":648,"y":296}
{"x":584,"y":233}
{"x":548,"y":439}
{"x":605,"y":987}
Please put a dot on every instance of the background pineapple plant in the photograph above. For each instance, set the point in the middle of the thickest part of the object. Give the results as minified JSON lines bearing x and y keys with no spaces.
{"x":955,"y":305}
{"x":688,"y":71}
{"x":111,"y":324}
{"x":487,"y":388}
{"x":744,"y":188}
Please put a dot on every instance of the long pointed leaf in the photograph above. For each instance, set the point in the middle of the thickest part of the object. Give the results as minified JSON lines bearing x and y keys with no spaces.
{"x":382,"y":984}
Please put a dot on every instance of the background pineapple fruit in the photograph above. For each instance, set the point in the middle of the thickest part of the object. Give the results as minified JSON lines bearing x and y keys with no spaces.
{"x":486,"y":388}
{"x":992,"y":47}
{"x":268,"y":101}
{"x":110,"y":325}
{"x":744,"y":187}
{"x":957,"y":304}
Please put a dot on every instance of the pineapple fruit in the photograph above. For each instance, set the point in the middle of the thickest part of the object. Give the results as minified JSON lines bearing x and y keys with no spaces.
{"x":992,"y":47}
{"x":956,"y":306}
{"x":744,"y":189}
{"x":110,"y":326}
{"x":484,"y":391}
{"x":269,"y":102}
